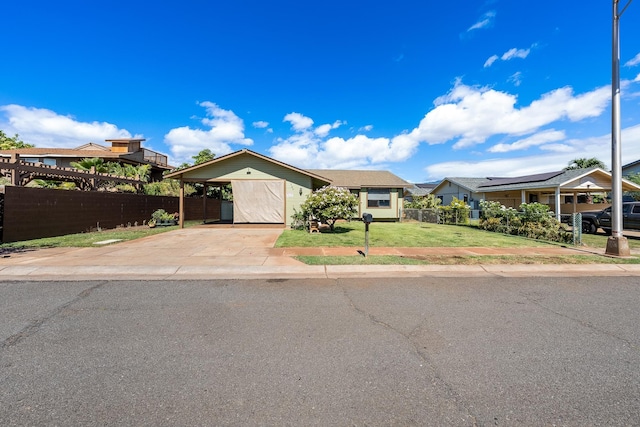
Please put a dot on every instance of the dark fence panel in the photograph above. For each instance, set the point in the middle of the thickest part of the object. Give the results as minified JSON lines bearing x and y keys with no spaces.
{"x":32,"y":213}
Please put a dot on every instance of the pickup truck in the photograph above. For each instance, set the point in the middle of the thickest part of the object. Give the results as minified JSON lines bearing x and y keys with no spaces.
{"x":630,"y":219}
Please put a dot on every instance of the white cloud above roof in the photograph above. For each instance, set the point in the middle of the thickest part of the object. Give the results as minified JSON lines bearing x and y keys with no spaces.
{"x":537,"y":139}
{"x":222,"y":129}
{"x":298,"y":121}
{"x":45,"y":128}
{"x":470,"y":115}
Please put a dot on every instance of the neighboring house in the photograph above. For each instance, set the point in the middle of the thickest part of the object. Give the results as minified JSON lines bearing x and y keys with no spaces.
{"x":631,"y":168}
{"x":267,"y":191}
{"x":418,"y":190}
{"x":125,"y":151}
{"x":568,"y":189}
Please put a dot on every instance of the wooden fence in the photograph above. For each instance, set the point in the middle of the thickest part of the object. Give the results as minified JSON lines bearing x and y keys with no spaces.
{"x":31,"y":213}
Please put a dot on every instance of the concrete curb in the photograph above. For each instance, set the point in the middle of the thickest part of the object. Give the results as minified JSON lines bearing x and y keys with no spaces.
{"x":177,"y":272}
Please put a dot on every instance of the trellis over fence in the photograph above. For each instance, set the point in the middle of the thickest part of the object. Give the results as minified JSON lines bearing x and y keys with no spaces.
{"x":21,"y":173}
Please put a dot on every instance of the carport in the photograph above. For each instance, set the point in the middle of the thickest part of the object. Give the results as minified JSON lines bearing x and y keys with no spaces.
{"x":265,"y":191}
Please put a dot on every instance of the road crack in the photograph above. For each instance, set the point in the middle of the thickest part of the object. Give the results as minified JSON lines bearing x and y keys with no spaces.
{"x":35,"y":325}
{"x":438,"y":379}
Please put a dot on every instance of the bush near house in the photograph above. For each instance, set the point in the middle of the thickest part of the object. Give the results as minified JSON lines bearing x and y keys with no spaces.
{"x":328,"y":204}
{"x":534,"y":220}
{"x":457,"y":212}
{"x":428,"y":209}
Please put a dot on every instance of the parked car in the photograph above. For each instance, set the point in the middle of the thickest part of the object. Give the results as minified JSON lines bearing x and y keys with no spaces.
{"x":591,"y":221}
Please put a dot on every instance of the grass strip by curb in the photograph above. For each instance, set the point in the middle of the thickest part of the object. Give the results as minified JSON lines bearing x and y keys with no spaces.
{"x":464,"y":260}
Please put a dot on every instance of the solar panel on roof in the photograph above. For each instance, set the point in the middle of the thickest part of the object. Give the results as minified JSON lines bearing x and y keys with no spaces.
{"x":520,"y":179}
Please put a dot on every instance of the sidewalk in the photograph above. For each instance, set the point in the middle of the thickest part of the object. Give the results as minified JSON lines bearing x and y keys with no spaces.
{"x":205,"y":253}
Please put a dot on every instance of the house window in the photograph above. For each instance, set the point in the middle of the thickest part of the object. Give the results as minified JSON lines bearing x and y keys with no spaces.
{"x":379,"y":198}
{"x":30,"y":159}
{"x":49,"y":162}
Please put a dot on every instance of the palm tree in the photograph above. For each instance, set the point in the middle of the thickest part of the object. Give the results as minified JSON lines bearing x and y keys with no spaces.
{"x":86,"y":164}
{"x":584,"y":163}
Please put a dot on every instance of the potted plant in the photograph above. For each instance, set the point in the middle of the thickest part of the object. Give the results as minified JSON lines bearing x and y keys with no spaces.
{"x":162,"y":218}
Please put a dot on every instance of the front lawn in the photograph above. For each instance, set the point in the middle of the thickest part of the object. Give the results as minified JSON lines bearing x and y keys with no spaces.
{"x":404,"y":234}
{"x":89,"y":239}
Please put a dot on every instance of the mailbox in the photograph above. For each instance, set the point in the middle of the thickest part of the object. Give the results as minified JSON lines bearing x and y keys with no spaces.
{"x":367,"y":218}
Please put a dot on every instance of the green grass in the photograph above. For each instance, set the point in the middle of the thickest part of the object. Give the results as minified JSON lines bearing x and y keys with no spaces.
{"x":89,"y":239}
{"x":464,"y":260}
{"x":600,"y":241}
{"x":409,"y":234}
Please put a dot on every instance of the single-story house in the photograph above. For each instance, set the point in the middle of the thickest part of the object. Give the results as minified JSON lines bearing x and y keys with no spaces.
{"x":124,"y":151}
{"x":568,"y":189}
{"x":266,"y":191}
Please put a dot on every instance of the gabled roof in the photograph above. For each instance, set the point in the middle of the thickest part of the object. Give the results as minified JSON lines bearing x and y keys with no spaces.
{"x":628,"y":165}
{"x":469,"y":184}
{"x":420,"y":189}
{"x":176,"y":173}
{"x":93,"y":146}
{"x":361,"y":178}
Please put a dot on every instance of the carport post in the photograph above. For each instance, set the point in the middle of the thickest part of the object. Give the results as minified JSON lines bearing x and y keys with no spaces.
{"x":181,"y":213}
{"x":204,"y":203}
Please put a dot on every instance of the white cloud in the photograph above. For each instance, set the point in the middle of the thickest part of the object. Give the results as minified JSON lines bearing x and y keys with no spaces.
{"x":298,"y":121}
{"x":224,"y":129}
{"x":323,"y":130}
{"x":485,"y":21}
{"x":515,"y":53}
{"x":366,"y":128}
{"x":538,"y":139}
{"x":489,"y":62}
{"x":470,"y":115}
{"x":260,"y":124}
{"x":308,"y":148}
{"x":516,"y":78}
{"x":46,"y":128}
{"x":633,"y":62}
{"x":561,"y":154}
{"x":637,"y":79}
{"x":508,"y":55}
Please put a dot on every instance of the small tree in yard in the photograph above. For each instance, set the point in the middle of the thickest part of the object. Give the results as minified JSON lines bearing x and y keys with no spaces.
{"x":330,"y":204}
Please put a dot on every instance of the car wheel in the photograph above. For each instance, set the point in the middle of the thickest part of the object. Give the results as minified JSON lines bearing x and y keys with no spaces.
{"x":588,"y":227}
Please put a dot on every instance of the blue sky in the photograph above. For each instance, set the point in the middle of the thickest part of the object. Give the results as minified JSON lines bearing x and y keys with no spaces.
{"x":425,"y":89}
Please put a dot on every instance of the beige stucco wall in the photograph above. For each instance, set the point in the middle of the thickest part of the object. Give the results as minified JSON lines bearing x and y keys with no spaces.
{"x":393,"y":212}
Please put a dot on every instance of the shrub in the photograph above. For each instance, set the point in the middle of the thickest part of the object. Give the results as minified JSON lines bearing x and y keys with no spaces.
{"x":423,"y":202}
{"x":456,"y":213}
{"x":534,"y":221}
{"x":329,"y":203}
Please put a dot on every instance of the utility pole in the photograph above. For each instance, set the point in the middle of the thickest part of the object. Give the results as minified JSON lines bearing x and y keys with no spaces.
{"x":617,"y":244}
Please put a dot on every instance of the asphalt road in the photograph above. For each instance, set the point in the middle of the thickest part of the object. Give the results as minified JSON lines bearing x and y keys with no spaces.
{"x":428,"y":351}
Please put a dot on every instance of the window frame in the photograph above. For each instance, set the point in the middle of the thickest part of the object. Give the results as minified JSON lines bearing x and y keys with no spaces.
{"x":376,"y":202}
